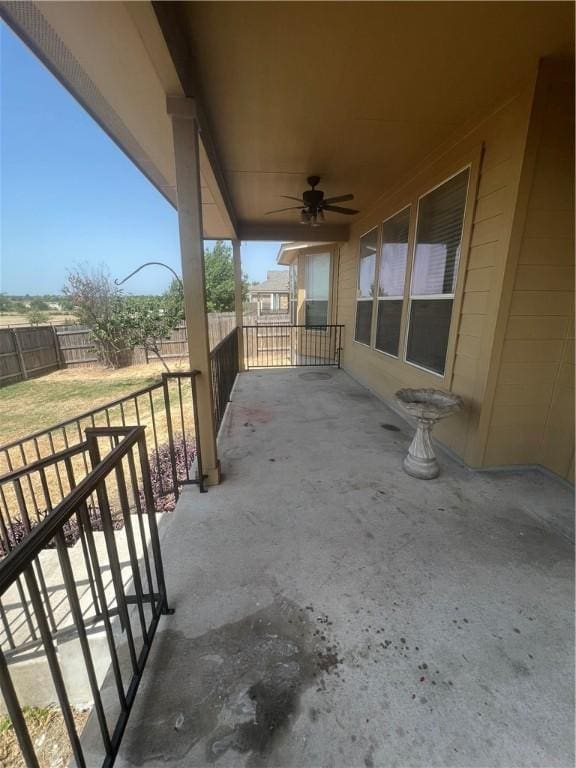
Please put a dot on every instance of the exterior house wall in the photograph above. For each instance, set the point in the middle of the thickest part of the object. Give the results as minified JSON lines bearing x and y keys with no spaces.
{"x":495,"y":149}
{"x":532,"y":420}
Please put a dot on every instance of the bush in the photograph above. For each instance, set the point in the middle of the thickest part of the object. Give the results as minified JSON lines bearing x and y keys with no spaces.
{"x":17,"y":532}
{"x":161,"y":471}
{"x":162,"y":491}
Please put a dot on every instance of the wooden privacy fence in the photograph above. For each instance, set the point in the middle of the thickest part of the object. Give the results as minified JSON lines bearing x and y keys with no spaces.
{"x":26,"y":352}
{"x":35,"y":350}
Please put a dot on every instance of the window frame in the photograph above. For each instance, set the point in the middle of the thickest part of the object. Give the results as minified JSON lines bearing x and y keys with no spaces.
{"x":407,"y":271}
{"x":293,"y":292}
{"x":473,"y":169}
{"x":317,"y":250}
{"x":469,"y":157}
{"x":366,"y":298}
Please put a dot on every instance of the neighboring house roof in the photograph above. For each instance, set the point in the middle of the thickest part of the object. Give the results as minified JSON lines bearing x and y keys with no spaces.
{"x":276,"y":282}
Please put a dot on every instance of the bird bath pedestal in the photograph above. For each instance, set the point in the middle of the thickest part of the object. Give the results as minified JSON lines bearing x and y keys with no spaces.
{"x":428,"y":406}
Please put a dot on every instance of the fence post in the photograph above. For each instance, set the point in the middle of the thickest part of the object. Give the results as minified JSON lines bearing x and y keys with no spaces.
{"x":18,"y":348}
{"x":57,"y":346}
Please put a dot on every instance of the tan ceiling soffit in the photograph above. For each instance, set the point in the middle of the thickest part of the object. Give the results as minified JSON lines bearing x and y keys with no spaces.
{"x":30,"y":24}
{"x":73,"y":41}
{"x":333,"y":233}
{"x":172,"y":24}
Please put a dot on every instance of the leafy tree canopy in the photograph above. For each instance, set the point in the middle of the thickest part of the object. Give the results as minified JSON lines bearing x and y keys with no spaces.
{"x":37,"y":316}
{"x":219,"y":272}
{"x":119,"y":323}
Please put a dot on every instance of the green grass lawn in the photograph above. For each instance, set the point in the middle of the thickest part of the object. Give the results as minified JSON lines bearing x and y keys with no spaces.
{"x":31,"y":405}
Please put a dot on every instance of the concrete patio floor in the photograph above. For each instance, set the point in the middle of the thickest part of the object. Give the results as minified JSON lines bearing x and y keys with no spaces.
{"x":332,"y":611}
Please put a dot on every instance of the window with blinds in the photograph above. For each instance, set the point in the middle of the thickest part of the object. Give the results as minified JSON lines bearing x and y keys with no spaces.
{"x":391,"y":278}
{"x":317,"y":285}
{"x":434,"y":272}
{"x":366,"y":285}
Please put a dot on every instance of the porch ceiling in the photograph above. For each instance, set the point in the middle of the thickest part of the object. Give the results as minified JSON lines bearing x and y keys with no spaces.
{"x":357,"y":93}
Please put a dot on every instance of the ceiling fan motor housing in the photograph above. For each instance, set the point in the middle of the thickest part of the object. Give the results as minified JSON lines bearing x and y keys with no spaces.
{"x":313,"y":198}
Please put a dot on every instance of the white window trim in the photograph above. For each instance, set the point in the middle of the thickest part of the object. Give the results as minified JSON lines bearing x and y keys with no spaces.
{"x":319,"y":251}
{"x":402,"y":296}
{"x":451,"y":296}
{"x":366,"y":298}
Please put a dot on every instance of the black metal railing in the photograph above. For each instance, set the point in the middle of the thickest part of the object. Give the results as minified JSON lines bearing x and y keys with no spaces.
{"x":167,"y":408}
{"x":284,"y":346}
{"x":126,"y":592}
{"x":224,"y":364}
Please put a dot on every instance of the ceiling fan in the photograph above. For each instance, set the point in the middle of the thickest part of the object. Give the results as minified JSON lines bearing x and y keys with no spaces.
{"x":312,"y":204}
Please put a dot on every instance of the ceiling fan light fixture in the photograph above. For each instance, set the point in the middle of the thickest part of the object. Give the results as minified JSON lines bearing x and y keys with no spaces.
{"x":313,"y":204}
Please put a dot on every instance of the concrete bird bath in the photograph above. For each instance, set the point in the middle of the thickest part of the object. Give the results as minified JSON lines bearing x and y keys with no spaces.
{"x":428,"y":406}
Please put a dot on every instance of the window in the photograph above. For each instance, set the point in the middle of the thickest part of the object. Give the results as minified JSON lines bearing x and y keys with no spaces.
{"x":434,"y":271}
{"x":317,"y":285}
{"x":366,"y":281}
{"x":391,"y":277}
{"x":294,"y":293}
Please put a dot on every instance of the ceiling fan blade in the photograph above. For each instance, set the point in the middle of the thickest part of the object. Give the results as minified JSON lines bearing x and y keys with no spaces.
{"x":339,"y":199}
{"x":337,"y":209}
{"x":281,"y":210}
{"x":289,"y":197}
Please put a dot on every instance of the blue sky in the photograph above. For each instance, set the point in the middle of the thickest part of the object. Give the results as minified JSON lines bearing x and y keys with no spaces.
{"x":70,"y":197}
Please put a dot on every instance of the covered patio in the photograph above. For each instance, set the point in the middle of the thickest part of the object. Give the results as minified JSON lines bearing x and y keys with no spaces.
{"x":332,"y":611}
{"x":329,"y":609}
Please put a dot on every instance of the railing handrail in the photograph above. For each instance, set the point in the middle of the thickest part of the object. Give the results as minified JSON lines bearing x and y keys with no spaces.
{"x":84,"y":415}
{"x":178,"y":374}
{"x":225,"y":339}
{"x":14,"y":564}
{"x":294,"y":325}
{"x":46,"y":461}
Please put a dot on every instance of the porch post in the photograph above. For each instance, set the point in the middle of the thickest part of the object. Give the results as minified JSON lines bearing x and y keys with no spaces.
{"x":238,"y":303}
{"x":185,"y":133}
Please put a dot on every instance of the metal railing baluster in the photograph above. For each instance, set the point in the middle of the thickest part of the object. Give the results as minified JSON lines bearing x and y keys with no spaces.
{"x":55,"y":671}
{"x":72,"y":594}
{"x":271,"y":346}
{"x":16,"y":715}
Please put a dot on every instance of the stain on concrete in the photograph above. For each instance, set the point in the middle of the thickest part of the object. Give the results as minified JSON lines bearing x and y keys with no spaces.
{"x":315,"y":376}
{"x":369,"y":758}
{"x":237,"y":687}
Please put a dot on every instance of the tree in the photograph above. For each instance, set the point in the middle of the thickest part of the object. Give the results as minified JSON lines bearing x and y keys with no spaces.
{"x":174,"y":300}
{"x":98,"y":305}
{"x":37,"y":316}
{"x":152,"y":318}
{"x":119,"y":323}
{"x":219,"y":273}
{"x":38,"y":303}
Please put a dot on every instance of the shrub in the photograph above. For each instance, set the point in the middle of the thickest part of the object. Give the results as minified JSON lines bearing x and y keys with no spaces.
{"x":161,"y":471}
{"x":16,"y":532}
{"x":162,"y":491}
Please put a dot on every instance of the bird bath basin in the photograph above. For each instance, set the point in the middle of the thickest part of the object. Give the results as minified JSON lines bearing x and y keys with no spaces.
{"x":427,"y":406}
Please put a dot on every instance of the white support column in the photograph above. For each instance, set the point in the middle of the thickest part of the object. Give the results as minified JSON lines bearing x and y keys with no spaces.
{"x":186,"y":151}
{"x":238,"y":302}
